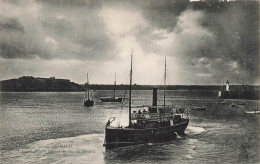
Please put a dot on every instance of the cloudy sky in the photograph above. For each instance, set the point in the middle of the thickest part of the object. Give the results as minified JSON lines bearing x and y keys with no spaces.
{"x":68,"y":38}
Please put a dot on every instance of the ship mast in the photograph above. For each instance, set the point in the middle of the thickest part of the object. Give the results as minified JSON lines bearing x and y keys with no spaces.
{"x":130,"y":88}
{"x":87,"y":86}
{"x":164,"y":83}
{"x":115,"y":86}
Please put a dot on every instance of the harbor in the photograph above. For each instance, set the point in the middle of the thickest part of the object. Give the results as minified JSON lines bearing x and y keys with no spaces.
{"x":56,"y":127}
{"x":129,"y":81}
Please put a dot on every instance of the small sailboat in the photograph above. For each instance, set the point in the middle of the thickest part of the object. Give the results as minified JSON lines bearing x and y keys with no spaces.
{"x":200,"y":107}
{"x":156,"y":124}
{"x":87,"y":101}
{"x":114,"y":98}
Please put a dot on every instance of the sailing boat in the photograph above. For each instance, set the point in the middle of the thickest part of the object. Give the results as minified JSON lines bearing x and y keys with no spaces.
{"x":156,"y":124}
{"x":200,"y":107}
{"x":87,"y":102}
{"x":114,"y":98}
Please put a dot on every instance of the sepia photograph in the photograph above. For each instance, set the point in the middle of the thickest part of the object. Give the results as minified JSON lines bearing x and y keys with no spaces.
{"x":129,"y":81}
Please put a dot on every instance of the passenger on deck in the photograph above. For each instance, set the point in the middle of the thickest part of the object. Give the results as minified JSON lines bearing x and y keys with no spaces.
{"x":108,"y":123}
{"x":150,"y":109}
{"x":139,"y":112}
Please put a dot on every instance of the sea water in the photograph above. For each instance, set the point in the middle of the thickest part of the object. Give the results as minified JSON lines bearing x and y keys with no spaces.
{"x":55,"y":127}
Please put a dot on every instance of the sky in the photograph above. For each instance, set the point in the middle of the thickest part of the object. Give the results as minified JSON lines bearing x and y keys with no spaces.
{"x":69,"y":38}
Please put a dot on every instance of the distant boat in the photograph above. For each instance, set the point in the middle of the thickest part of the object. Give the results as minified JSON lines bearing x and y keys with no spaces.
{"x":200,"y":107}
{"x":253,"y":112}
{"x":87,"y":101}
{"x":114,"y":98}
{"x":256,"y":111}
{"x":242,"y":103}
{"x":157,"y":124}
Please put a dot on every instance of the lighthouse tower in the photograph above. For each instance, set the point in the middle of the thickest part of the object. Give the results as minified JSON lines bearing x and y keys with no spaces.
{"x":227,"y":85}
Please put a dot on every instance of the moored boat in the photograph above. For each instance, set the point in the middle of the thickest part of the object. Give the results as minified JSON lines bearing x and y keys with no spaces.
{"x":256,"y":111}
{"x":111,"y":99}
{"x":114,"y":98}
{"x":87,"y":101}
{"x":156,"y":124}
{"x":252,"y":112}
{"x":242,"y":103}
{"x":201,"y":107}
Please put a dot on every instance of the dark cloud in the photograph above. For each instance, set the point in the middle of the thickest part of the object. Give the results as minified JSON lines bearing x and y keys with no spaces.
{"x":236,"y":32}
{"x":9,"y":25}
{"x":56,"y":31}
{"x":228,"y":32}
{"x":205,"y":39}
{"x":12,"y":39}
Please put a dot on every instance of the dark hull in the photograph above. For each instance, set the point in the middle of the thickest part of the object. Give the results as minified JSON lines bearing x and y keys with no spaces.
{"x":252,"y":112}
{"x":88,"y":103}
{"x":111,"y":99}
{"x":121,"y":137}
{"x":199,"y":108}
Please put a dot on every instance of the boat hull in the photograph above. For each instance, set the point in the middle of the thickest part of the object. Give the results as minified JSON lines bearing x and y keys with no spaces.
{"x":199,"y":108}
{"x":111,"y":99}
{"x":252,"y":112}
{"x":121,"y":137}
{"x":88,"y":103}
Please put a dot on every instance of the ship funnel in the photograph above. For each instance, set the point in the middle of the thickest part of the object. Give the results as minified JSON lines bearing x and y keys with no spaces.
{"x":155,"y":96}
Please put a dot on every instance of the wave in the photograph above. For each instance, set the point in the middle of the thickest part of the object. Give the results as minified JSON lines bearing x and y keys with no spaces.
{"x":195,"y":130}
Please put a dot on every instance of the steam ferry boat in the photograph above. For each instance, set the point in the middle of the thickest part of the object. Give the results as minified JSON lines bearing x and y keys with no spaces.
{"x":156,"y":124}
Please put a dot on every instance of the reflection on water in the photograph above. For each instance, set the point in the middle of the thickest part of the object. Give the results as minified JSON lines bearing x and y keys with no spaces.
{"x":57,"y":128}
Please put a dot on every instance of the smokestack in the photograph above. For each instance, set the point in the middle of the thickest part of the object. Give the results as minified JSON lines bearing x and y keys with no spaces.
{"x":155,"y":96}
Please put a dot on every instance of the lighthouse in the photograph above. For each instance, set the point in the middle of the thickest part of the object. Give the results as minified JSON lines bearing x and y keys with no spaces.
{"x":219,"y":94}
{"x":227,"y":85}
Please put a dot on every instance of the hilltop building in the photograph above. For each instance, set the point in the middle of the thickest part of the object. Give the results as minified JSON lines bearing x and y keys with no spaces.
{"x":31,"y":84}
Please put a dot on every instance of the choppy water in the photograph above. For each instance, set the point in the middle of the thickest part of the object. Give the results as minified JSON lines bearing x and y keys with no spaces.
{"x":57,"y":128}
